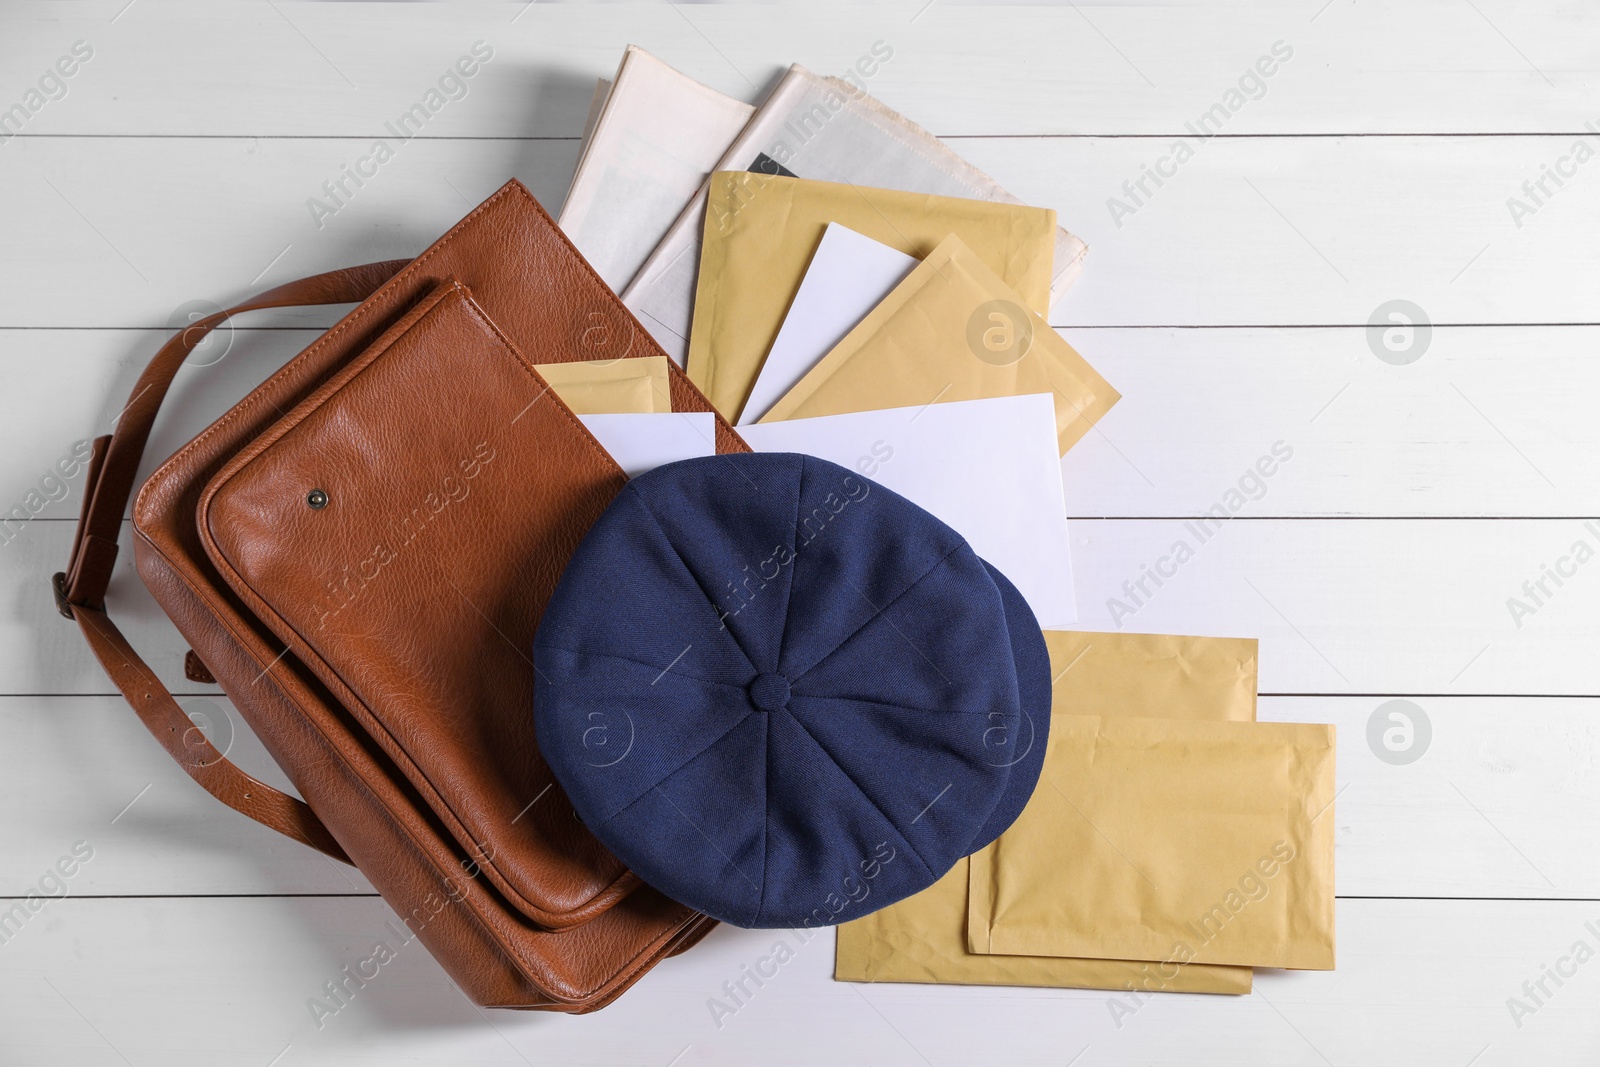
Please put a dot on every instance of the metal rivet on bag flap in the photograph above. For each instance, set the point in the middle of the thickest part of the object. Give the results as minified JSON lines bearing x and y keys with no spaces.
{"x":317,"y":499}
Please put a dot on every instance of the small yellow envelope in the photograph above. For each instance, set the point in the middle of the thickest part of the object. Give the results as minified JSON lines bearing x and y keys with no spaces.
{"x":1180,"y":841}
{"x":952,"y":330}
{"x":637,"y":385}
{"x":1156,"y":676}
{"x":760,"y":233}
{"x":923,"y":938}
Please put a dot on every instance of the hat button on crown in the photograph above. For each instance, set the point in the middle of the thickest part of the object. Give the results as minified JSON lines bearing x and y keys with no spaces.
{"x":770,"y":692}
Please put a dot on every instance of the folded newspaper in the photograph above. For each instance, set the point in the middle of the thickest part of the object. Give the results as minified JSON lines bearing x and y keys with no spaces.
{"x":810,"y":127}
{"x":650,"y":142}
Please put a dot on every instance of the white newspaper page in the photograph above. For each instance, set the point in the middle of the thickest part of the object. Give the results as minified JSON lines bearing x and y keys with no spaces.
{"x":597,"y":104}
{"x":828,"y":130}
{"x":657,"y":137}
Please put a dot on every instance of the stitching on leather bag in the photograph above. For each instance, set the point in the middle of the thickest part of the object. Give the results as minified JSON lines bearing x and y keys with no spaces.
{"x":343,"y":325}
{"x":433,"y":303}
{"x":349,"y":321}
{"x":232,"y":414}
{"x":487,"y":923}
{"x":598,"y":284}
{"x":588,"y":438}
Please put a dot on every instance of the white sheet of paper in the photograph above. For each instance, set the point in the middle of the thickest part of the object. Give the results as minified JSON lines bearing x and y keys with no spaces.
{"x":847,"y":277}
{"x":988,"y":468}
{"x":641,"y":441}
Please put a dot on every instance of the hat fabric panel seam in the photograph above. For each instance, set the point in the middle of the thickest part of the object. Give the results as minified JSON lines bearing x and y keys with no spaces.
{"x":907,"y":707}
{"x":982,"y":789}
{"x":641,"y":663}
{"x":864,"y":795}
{"x":760,"y":887}
{"x":710,"y":600}
{"x":631,"y":533}
{"x":879,"y":612}
{"x":794,"y":548}
{"x":1027,"y":769}
{"x":766,"y":813}
{"x":668,"y":775}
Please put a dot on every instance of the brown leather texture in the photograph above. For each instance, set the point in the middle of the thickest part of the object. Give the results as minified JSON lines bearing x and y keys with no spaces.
{"x":454,"y":490}
{"x":197,"y":671}
{"x":399,"y":702}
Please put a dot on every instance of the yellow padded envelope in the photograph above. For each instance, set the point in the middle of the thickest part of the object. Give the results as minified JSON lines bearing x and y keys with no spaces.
{"x":637,"y":385}
{"x":761,"y":231}
{"x":1181,"y":841}
{"x":952,"y":330}
{"x":1154,"y":676}
{"x":923,"y":938}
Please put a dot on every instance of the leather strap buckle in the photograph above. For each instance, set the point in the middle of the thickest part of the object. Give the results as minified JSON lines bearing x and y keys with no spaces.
{"x":58,"y":585}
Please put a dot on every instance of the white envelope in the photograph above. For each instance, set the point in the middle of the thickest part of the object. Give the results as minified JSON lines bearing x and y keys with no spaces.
{"x":640,"y":441}
{"x":988,"y":468}
{"x":848,"y":275}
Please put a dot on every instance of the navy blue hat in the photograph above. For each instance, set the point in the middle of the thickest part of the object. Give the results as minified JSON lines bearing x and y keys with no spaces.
{"x":784,"y":695}
{"x":1025,"y":757}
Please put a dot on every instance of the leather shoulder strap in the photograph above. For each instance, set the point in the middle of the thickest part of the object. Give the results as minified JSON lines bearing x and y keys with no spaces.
{"x":80,"y":589}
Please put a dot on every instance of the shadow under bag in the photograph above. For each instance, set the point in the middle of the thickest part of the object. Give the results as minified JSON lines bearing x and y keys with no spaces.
{"x":359,"y":552}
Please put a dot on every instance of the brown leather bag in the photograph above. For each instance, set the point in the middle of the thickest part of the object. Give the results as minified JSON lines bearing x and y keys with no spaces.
{"x":359,"y":552}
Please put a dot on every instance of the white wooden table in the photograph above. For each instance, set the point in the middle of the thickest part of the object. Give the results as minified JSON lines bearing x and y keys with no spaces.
{"x":1230,"y":307}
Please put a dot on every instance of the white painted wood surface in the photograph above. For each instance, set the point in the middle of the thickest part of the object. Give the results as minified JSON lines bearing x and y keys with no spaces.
{"x":1251,"y":231}
{"x":1496,"y":765}
{"x":225,"y":981}
{"x":1340,"y":605}
{"x":1230,"y":309}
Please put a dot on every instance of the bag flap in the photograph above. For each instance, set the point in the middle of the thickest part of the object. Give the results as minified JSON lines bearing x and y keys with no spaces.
{"x":401,"y":531}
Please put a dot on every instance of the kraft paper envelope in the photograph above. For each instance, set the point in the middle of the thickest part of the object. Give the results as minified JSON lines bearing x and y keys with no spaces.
{"x":610,"y":386}
{"x":761,"y":231}
{"x":924,"y":938}
{"x":1155,"y":676}
{"x":1166,"y":839}
{"x":953,"y":330}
